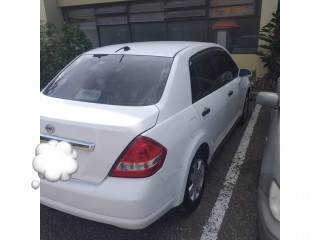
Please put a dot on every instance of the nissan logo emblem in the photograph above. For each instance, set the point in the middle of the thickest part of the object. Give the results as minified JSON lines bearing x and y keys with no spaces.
{"x":50,"y":128}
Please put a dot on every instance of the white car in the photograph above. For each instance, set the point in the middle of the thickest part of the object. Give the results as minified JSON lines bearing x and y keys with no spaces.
{"x":145,"y":119}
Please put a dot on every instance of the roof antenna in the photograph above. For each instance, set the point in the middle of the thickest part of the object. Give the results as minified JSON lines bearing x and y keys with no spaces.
{"x":125,"y":48}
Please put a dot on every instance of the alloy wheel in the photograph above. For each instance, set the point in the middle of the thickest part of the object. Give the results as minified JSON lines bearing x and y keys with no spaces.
{"x":196,"y":179}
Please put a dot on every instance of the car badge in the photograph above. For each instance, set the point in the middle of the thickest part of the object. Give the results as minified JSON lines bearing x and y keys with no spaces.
{"x":50,"y":128}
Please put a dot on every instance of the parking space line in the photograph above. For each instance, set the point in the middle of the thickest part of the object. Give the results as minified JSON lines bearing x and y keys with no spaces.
{"x":211,"y":229}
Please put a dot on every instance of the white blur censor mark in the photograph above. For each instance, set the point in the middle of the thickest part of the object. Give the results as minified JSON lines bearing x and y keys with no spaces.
{"x":55,"y":161}
{"x":211,"y":229}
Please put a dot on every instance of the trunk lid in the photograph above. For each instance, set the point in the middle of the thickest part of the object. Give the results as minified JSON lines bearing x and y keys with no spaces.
{"x":109,"y":128}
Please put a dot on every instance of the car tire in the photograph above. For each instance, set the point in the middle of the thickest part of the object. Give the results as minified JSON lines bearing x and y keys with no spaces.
{"x":245,"y":110}
{"x":195,"y":184}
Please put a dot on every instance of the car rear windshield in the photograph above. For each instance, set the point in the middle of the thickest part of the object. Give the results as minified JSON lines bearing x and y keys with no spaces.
{"x":127,"y":80}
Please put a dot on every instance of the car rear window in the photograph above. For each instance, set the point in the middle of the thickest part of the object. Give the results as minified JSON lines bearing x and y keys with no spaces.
{"x":127,"y":80}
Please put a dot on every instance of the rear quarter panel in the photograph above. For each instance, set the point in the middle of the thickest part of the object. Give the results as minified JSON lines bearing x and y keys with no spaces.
{"x":182,"y":143}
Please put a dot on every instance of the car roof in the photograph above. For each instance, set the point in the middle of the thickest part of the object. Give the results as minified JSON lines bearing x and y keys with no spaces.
{"x":164,"y":48}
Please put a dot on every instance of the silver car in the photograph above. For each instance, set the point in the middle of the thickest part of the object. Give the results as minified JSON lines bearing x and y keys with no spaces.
{"x":269,"y":184}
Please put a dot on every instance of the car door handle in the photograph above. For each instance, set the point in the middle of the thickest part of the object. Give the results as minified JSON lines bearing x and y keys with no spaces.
{"x":205,"y":111}
{"x":230,"y":93}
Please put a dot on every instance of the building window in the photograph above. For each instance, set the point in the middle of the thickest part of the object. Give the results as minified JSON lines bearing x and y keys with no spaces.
{"x":148,"y":32}
{"x":234,"y":24}
{"x":111,"y":9}
{"x":112,"y":20}
{"x":86,"y":21}
{"x":147,"y":17}
{"x":146,"y":7}
{"x":114,"y":34}
{"x":188,"y":31}
{"x":186,"y":13}
{"x":185,"y":3}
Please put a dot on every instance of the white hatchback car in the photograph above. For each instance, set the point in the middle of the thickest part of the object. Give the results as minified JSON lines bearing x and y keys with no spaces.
{"x":145,"y":119}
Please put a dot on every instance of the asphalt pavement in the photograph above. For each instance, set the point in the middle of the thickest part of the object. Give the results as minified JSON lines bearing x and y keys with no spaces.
{"x":239,"y":221}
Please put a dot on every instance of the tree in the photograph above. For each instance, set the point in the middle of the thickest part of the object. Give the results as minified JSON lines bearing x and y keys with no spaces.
{"x":58,"y":48}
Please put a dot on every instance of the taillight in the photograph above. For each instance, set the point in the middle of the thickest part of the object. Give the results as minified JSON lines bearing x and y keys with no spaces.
{"x":142,"y":158}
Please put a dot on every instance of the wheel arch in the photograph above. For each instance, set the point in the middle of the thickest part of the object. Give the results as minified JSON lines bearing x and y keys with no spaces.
{"x":203,"y":151}
{"x":201,"y":148}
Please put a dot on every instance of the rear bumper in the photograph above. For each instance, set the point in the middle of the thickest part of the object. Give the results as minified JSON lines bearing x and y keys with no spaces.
{"x":125,"y":203}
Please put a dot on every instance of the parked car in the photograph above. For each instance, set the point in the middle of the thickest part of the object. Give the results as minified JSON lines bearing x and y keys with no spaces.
{"x":145,"y":119}
{"x":269,"y":183}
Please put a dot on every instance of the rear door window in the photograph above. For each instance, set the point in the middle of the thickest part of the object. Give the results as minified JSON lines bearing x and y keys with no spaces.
{"x":126,"y":80}
{"x":203,"y":75}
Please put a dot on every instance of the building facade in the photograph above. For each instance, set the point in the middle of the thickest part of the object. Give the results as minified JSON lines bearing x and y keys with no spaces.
{"x":233,"y":24}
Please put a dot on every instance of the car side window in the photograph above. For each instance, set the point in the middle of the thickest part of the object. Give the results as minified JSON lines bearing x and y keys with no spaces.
{"x":203,"y":76}
{"x":226,"y":68}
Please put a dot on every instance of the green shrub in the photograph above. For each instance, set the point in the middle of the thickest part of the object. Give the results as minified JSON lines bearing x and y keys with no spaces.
{"x":58,"y":48}
{"x":269,"y":51}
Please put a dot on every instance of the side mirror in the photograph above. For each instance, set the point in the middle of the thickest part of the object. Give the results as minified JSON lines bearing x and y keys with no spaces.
{"x":245,"y":72}
{"x":268,"y":99}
